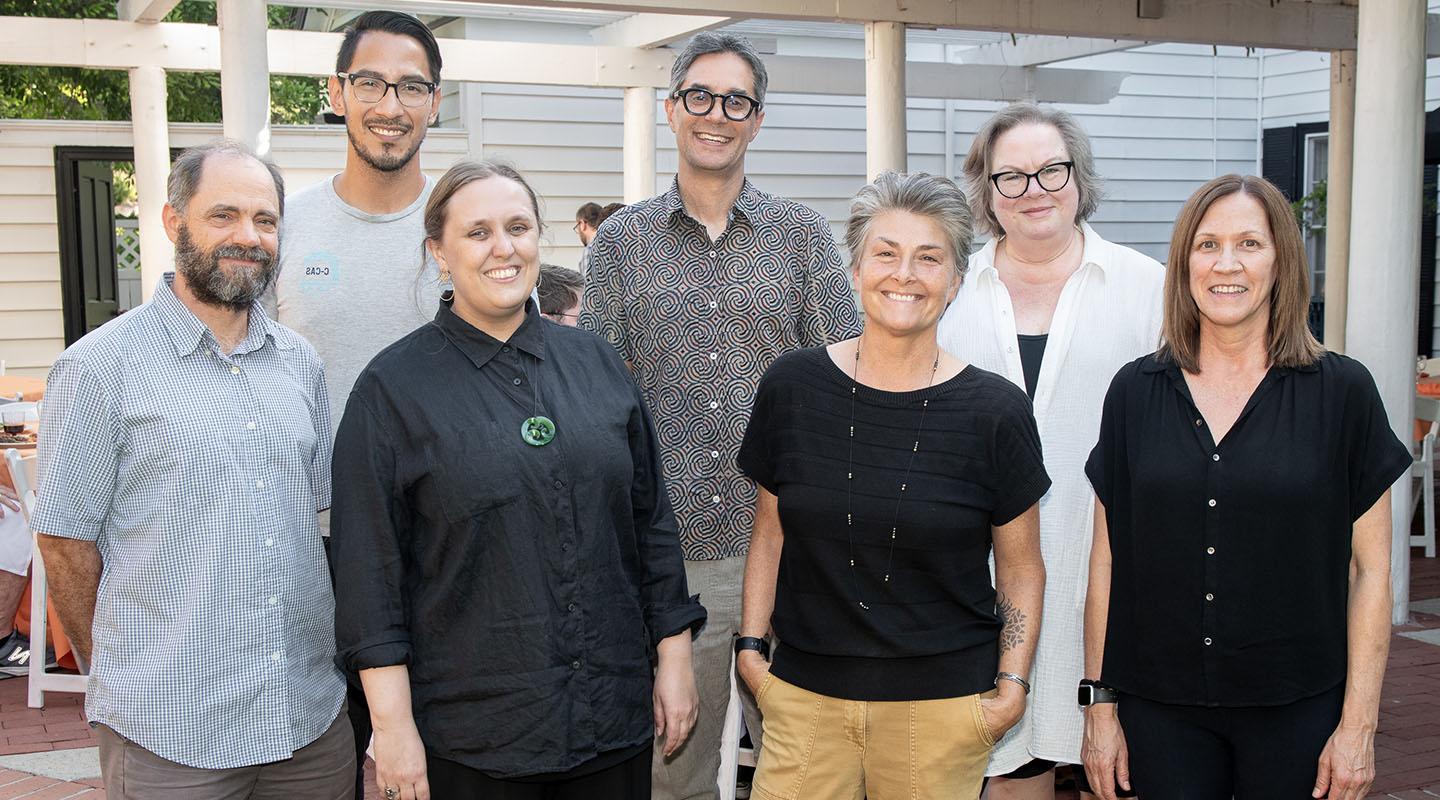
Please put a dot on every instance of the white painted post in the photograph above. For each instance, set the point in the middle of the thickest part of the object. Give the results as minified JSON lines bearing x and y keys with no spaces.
{"x":245,"y":72}
{"x":885,"y":146}
{"x":151,"y":130}
{"x":639,"y":153}
{"x":1386,"y":204}
{"x":1337,"y":194}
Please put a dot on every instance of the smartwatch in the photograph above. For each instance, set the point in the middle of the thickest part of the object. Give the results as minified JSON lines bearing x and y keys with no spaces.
{"x":1092,"y":692}
{"x":752,"y":643}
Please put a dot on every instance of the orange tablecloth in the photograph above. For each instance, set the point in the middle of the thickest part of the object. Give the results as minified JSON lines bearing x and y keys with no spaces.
{"x":30,"y":388}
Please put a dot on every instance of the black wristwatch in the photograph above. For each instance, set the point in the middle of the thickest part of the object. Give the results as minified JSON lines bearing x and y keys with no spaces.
{"x":1092,"y":692}
{"x":753,"y":643}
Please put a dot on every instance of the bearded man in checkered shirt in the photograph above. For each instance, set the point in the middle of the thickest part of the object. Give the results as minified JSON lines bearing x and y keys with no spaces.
{"x":184,"y":455}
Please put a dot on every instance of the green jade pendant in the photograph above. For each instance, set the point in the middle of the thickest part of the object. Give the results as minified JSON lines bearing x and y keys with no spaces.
{"x":537,"y":431}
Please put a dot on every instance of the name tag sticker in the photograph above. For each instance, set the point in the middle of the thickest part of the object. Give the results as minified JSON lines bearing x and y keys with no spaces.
{"x":319,"y":270}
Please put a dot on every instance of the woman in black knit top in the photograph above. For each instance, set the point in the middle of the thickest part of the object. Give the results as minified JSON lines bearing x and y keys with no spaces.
{"x":887,"y":470}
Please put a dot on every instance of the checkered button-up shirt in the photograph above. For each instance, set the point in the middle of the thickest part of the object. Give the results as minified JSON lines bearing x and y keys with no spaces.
{"x":198,"y":476}
{"x":700,"y":322}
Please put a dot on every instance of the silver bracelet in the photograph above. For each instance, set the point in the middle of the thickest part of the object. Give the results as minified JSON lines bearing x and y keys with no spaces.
{"x":1010,"y":676}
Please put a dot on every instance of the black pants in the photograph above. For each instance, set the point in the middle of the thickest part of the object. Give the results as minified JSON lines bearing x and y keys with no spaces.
{"x":1252,"y":753}
{"x":627,"y":780}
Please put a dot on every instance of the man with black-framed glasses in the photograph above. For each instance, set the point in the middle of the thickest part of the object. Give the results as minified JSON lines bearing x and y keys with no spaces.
{"x":353,"y":274}
{"x":700,"y":289}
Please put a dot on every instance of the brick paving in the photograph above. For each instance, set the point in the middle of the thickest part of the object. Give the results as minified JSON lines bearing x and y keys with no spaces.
{"x":1407,"y":744}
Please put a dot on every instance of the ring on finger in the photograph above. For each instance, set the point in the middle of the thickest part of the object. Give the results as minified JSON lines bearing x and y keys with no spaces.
{"x":391,"y":793}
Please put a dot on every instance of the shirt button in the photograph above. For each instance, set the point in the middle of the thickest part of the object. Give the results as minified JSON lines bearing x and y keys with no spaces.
{"x":259,"y":484}
{"x":575,"y":664}
{"x":1211,"y":502}
{"x":275,"y":656}
{"x":714,"y":453}
{"x":250,"y":426}
{"x":714,"y":356}
{"x":570,"y":607}
{"x":516,"y":381}
{"x":269,"y":542}
{"x":274,"y":600}
{"x":1210,"y":550}
{"x":714,"y":304}
{"x":1215,"y":457}
{"x":505,"y":349}
{"x":559,"y":484}
{"x":714,"y":404}
{"x":715,"y":499}
{"x":1009,"y":349}
{"x":1209,"y":598}
{"x":1208,"y":641}
{"x":234,"y":370}
{"x":1199,"y":422}
{"x":712,"y":253}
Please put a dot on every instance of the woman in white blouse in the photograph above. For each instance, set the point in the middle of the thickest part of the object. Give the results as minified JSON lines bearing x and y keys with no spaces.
{"x":1056,"y":309}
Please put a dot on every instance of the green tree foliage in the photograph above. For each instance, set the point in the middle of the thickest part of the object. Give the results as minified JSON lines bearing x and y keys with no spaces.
{"x":71,"y":93}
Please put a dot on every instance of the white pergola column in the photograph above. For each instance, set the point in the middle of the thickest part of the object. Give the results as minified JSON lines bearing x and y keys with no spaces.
{"x":639,"y":153}
{"x":245,"y":72}
{"x":1337,"y":192}
{"x":885,"y":145}
{"x":1386,"y":204}
{"x":151,"y":130}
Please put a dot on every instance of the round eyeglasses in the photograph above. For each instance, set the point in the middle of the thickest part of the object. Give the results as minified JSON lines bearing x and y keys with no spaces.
{"x":736,"y":107}
{"x":1051,"y":177}
{"x":370,"y":89}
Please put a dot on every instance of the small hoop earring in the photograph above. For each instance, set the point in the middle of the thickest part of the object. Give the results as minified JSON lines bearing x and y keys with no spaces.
{"x":447,"y":296}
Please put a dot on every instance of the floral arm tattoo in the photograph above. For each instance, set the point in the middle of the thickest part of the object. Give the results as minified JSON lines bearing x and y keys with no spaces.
{"x":1012,"y":619}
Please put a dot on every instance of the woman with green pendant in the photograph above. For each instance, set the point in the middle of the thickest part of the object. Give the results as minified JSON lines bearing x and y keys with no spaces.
{"x":506,"y":560}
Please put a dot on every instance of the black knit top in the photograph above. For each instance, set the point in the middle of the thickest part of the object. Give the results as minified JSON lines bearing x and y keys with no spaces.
{"x":931,"y":631}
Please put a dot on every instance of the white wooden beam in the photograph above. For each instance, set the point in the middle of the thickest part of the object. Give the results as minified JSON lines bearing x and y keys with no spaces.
{"x":151,"y":129}
{"x":144,"y":10}
{"x":108,"y":44}
{"x":885,"y":145}
{"x":245,"y":72}
{"x":639,"y":143}
{"x":1285,"y":24}
{"x":653,"y":30}
{"x":1036,"y":51}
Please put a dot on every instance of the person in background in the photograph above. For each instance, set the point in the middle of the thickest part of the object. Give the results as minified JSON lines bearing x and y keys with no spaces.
{"x":184,"y":457}
{"x":1057,"y":310}
{"x":353,"y":273}
{"x":506,"y":560}
{"x":560,"y":291}
{"x":609,"y":209}
{"x":700,"y":289}
{"x":587,"y":220}
{"x":899,"y":662}
{"x":1238,"y":615}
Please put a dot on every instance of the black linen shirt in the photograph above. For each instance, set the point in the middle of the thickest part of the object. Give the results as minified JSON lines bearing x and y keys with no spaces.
{"x":525,"y":587}
{"x":931,"y":630}
{"x":1230,"y":562}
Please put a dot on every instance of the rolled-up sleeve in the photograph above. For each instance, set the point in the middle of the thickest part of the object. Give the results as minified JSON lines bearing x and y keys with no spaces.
{"x":367,"y":522}
{"x":78,"y":456}
{"x":324,"y":440}
{"x":668,"y":606}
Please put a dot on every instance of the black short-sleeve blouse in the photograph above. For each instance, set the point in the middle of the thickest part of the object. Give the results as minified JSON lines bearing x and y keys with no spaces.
{"x":1230,"y":562}
{"x":931,"y":631}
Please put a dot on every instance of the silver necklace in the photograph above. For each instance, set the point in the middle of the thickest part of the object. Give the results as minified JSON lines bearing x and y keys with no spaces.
{"x":904,"y":480}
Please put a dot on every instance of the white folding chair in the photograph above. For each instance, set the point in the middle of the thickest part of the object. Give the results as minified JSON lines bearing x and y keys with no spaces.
{"x":732,"y":755}
{"x":1428,"y":409}
{"x":22,"y":473}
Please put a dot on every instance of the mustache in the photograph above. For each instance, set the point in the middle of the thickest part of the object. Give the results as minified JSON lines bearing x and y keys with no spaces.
{"x":390,"y":122}
{"x":257,"y":254}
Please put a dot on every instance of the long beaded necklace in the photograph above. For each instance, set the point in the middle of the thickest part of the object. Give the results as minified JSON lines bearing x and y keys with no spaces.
{"x":904,"y":480}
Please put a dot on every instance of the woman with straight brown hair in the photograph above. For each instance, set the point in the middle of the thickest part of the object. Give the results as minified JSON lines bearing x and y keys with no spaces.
{"x":1238,"y":615}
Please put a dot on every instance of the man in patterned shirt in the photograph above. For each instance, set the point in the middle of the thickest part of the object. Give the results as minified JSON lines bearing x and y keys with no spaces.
{"x":700,"y":289}
{"x":184,"y":454}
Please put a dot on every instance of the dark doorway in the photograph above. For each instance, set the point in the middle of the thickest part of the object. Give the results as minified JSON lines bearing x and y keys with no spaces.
{"x":95,"y":285}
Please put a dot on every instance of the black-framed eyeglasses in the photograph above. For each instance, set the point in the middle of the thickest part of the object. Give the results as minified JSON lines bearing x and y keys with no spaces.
{"x":735,"y":106}
{"x":370,"y":89}
{"x":1051,"y":177}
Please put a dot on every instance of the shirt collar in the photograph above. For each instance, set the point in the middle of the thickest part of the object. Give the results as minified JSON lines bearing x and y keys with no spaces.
{"x":479,"y":346}
{"x":1096,"y":253}
{"x":748,"y":203}
{"x":187,"y":332}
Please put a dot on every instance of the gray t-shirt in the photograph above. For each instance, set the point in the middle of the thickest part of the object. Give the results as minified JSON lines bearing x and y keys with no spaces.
{"x":351,"y":282}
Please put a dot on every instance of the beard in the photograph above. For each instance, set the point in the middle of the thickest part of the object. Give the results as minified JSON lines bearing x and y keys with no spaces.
{"x":388,"y":158}
{"x":212,"y":284}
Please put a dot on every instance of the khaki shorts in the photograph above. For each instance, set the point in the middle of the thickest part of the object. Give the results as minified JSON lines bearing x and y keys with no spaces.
{"x":822,"y":748}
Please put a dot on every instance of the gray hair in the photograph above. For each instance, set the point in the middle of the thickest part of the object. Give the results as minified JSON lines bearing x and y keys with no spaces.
{"x":979,"y":164}
{"x":932,"y":196}
{"x":708,"y":42}
{"x":189,"y":167}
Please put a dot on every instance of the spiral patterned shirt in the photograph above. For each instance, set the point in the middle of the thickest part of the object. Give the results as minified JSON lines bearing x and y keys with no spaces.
{"x":700,"y":321}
